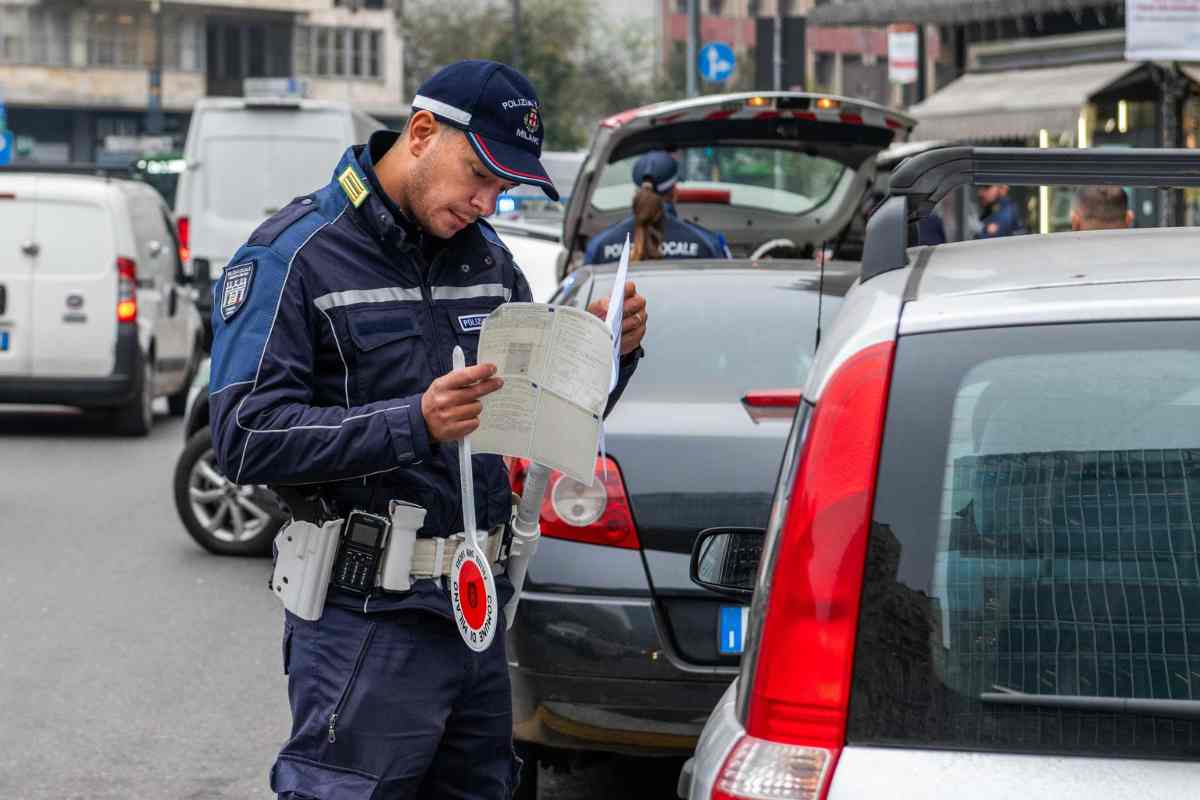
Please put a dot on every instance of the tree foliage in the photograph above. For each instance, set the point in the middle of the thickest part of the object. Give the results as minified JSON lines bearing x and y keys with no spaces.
{"x":579,"y":61}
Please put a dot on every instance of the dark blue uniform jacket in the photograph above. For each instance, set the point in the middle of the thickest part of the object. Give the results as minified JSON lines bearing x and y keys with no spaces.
{"x":681,"y":239}
{"x":319,"y":360}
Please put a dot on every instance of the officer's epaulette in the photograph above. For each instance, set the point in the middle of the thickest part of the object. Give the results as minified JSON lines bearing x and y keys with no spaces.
{"x":266,"y":233}
{"x":490,"y":234}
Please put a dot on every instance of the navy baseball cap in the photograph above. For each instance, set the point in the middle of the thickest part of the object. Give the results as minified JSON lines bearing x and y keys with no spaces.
{"x":659,"y":168}
{"x":498,"y":110}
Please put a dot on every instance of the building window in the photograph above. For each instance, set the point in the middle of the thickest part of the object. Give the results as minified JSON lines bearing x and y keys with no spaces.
{"x":339,"y":52}
{"x":715,"y":7}
{"x":114,"y":39}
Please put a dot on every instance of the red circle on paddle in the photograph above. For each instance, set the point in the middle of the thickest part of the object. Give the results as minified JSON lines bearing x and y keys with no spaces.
{"x":472,"y":593}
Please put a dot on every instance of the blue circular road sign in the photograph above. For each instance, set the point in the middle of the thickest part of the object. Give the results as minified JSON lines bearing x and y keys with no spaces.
{"x":716,"y":62}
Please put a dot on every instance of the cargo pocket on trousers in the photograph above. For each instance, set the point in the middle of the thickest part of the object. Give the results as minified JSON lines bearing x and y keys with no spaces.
{"x":301,"y":779}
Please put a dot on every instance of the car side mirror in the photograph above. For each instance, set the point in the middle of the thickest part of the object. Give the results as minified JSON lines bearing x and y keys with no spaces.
{"x":725,"y":560}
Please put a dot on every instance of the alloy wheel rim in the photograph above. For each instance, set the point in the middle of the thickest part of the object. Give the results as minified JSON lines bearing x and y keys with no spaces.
{"x":228,"y":512}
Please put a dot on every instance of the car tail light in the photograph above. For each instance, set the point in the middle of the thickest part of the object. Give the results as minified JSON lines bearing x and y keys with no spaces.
{"x":799,"y":690}
{"x":126,"y":290}
{"x":596,"y":514}
{"x":763,"y":404}
{"x":184,"y":227}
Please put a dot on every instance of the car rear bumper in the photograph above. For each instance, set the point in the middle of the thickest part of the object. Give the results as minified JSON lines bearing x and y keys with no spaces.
{"x":592,"y":673}
{"x":110,"y":390}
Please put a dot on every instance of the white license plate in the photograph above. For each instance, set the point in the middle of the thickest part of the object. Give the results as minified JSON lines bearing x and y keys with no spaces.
{"x":731,"y":629}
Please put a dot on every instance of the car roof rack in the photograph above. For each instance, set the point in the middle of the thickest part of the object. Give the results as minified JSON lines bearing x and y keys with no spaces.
{"x":922,"y":180}
{"x":71,"y":168}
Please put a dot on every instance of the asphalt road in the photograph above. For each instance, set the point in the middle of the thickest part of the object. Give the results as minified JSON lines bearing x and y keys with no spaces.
{"x":132,"y":663}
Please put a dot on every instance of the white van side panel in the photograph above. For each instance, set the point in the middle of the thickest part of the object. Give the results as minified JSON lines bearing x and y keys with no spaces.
{"x":951,"y":775}
{"x":75,"y":286}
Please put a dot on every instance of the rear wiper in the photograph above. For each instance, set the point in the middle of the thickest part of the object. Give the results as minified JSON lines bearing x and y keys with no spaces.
{"x":1184,"y":709}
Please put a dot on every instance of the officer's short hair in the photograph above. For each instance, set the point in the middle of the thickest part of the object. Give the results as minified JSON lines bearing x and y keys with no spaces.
{"x":1102,"y":204}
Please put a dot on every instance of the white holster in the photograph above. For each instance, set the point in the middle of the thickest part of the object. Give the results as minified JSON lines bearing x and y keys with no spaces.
{"x":303,"y":563}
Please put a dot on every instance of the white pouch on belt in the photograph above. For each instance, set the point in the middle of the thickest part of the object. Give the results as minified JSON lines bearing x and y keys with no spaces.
{"x":397,"y":561}
{"x":306,"y":553}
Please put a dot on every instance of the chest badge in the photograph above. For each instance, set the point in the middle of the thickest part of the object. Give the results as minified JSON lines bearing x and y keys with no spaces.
{"x":471,"y":323}
{"x":236,"y":288}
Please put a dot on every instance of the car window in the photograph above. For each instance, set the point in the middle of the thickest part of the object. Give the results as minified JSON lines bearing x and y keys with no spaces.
{"x":716,"y":335}
{"x":765,"y":178}
{"x":1033,"y":561}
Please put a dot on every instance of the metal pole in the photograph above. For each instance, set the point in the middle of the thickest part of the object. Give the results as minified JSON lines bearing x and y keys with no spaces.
{"x":1172,"y":86}
{"x":154,"y":116}
{"x":777,"y":48}
{"x":516,"y":43}
{"x":693,"y":46}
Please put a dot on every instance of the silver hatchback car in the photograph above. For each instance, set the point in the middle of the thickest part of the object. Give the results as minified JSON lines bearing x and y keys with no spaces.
{"x":981,"y":573}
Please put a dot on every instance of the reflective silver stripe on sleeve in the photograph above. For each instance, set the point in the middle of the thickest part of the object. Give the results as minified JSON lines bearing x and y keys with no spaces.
{"x":445,"y":109}
{"x":472,"y":292}
{"x":354,"y":296}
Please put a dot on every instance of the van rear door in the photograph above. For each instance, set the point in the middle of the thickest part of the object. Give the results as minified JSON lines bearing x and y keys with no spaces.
{"x":74,"y":293}
{"x":252,"y":162}
{"x":18,"y":214}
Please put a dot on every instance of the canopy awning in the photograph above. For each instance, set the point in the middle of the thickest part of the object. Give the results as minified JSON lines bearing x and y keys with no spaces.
{"x":1013,"y":104}
{"x":937,"y":12}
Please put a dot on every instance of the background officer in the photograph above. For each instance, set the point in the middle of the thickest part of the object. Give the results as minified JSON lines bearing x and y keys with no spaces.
{"x":331,"y":371}
{"x":998,"y":214}
{"x":655,"y":229}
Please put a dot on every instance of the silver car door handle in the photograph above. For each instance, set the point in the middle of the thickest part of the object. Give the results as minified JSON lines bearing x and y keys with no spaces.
{"x":31,"y":248}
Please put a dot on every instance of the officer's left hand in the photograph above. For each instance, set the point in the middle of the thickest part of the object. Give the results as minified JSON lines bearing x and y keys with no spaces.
{"x":633,"y":322}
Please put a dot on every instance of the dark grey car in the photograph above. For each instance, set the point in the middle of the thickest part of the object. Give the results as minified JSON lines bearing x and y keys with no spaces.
{"x":614,"y":648}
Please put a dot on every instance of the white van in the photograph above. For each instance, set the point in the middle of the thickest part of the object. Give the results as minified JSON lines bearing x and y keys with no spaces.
{"x":246,"y":159}
{"x":94,"y":307}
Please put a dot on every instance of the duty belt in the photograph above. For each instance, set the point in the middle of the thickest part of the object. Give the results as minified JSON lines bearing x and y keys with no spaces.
{"x":433,"y":558}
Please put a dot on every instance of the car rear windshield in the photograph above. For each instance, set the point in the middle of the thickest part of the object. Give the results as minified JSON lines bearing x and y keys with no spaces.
{"x":765,"y":178}
{"x":1032,"y":581}
{"x":717,"y":335}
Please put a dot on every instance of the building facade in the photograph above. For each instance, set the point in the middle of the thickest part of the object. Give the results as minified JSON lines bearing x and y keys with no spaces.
{"x":75,"y":74}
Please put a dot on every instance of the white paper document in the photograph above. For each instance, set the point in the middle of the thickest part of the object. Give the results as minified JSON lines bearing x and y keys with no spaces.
{"x":616,"y":311}
{"x":556,"y":362}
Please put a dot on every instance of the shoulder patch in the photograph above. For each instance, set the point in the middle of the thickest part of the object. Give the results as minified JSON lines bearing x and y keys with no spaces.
{"x":490,"y":234}
{"x":235,"y":288}
{"x":266,"y":233}
{"x":356,"y":191}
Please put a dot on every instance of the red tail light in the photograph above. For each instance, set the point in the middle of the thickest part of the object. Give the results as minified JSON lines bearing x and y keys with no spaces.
{"x":596,"y":514}
{"x":185,"y":240}
{"x":126,"y":290}
{"x":800,"y":675}
{"x":765,"y":404}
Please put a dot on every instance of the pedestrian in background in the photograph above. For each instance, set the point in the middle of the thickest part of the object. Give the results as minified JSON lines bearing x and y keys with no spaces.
{"x":332,"y":380}
{"x":654,"y":226}
{"x":998,"y":214}
{"x":1101,"y":207}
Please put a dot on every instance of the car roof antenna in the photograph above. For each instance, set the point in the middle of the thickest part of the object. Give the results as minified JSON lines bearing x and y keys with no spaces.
{"x":820,"y":291}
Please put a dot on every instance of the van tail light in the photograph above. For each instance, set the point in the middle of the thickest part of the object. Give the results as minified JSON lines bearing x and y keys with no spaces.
{"x":763,"y":404}
{"x":596,"y":514}
{"x":126,"y":290}
{"x":184,"y":228}
{"x":799,"y":692}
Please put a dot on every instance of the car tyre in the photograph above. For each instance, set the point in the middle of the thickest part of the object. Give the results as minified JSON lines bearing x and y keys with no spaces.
{"x":136,"y":417}
{"x":220,"y":516}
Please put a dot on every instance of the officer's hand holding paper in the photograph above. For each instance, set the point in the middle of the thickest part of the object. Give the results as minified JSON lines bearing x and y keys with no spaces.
{"x":558,"y":365}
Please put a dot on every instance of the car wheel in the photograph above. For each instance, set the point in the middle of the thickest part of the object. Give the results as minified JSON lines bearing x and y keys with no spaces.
{"x":177,"y":403}
{"x":222,"y":517}
{"x":136,"y":417}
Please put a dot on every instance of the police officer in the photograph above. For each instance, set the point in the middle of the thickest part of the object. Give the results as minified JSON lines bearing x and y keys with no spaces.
{"x":998,"y":214}
{"x":331,"y":373}
{"x":654,"y":227}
